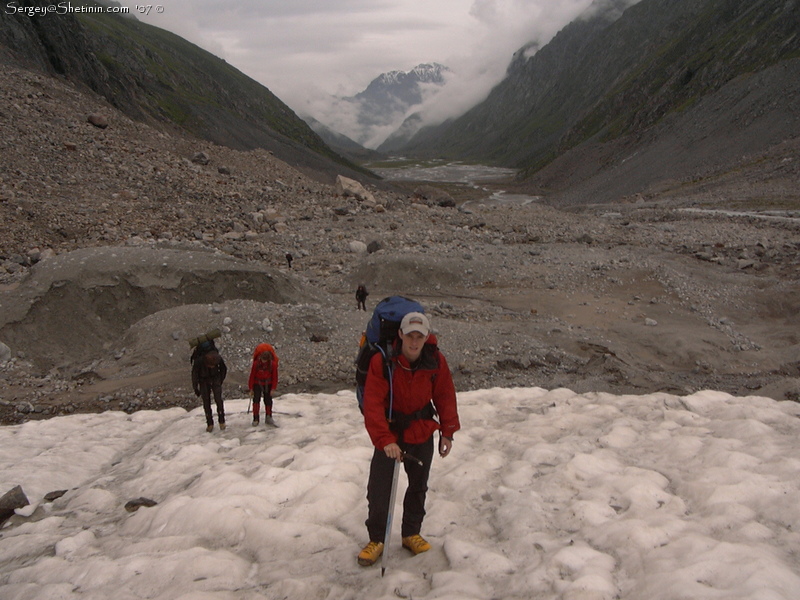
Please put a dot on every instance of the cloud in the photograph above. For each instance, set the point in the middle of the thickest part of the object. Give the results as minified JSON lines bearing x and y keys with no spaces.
{"x":308,"y":53}
{"x":478,"y":58}
{"x":500,"y":28}
{"x":612,"y":8}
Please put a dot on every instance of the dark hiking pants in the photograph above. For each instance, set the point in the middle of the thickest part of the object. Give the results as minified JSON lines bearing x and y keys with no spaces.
{"x":206,"y":389}
{"x":379,"y":488}
{"x":258,"y":391}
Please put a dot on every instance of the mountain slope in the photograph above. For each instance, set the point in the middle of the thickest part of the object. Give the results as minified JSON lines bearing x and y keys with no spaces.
{"x":736,"y":147}
{"x":158,"y":77}
{"x":382,"y":106}
{"x":612,"y":82}
{"x":532,"y":107}
{"x":395,"y":92}
{"x":340,"y":143}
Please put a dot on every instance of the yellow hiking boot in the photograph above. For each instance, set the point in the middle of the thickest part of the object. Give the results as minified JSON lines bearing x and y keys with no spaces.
{"x":416,"y":543}
{"x":370,"y":554}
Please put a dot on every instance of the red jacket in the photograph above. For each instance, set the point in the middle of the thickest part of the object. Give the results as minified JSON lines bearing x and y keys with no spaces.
{"x":266,"y":377}
{"x":413,"y":391}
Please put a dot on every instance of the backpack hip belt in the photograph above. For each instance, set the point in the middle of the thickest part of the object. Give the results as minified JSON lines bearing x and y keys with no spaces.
{"x":399,"y":422}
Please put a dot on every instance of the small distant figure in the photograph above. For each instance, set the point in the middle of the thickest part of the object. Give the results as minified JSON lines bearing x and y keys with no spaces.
{"x":361,"y":297}
{"x":208,"y":373}
{"x":263,"y":381}
{"x":289,"y":259}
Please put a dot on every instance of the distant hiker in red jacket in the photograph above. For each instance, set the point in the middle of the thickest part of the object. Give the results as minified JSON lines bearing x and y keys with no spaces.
{"x":263,"y":381}
{"x":417,"y":381}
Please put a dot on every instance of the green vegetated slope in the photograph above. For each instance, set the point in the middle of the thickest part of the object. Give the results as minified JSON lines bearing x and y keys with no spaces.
{"x":203,"y":94}
{"x":154,"y":75}
{"x":605,"y":77}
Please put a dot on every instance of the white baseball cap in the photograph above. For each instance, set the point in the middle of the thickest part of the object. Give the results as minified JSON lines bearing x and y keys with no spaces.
{"x":415,"y":321}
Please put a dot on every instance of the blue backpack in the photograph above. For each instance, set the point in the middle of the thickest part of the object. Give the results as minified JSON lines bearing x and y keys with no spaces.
{"x":379,"y":336}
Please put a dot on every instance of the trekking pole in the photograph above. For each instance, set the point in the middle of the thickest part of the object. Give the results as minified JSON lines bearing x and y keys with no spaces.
{"x":406,"y":455}
{"x":389,"y":516}
{"x":250,"y":400}
{"x":396,"y":473}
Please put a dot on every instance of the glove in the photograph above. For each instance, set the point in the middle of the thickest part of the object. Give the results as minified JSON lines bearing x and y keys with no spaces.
{"x":196,"y":391}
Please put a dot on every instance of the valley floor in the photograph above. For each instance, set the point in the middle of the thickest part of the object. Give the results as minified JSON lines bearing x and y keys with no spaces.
{"x":120,"y":244}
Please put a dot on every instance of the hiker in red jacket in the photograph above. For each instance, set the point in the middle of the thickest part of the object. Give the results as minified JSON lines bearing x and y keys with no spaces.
{"x":417,"y":382}
{"x":263,"y":381}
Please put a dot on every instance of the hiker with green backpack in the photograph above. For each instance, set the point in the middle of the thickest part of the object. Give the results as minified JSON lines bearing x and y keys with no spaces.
{"x":208,"y":374}
{"x":406,"y":388}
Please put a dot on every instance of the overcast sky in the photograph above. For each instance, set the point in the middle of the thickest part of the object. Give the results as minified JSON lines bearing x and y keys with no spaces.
{"x":306,"y":51}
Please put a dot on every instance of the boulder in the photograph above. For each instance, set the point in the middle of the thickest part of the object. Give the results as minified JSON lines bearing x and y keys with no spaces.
{"x":350,"y":187}
{"x":137,"y":503}
{"x":10,"y":501}
{"x":200,"y":158}
{"x":99,"y":121}
{"x":357,"y":247}
{"x":433,"y":196}
{"x":5,"y":353}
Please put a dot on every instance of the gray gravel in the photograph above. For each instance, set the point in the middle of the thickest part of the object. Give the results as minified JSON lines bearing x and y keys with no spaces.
{"x":118,"y":246}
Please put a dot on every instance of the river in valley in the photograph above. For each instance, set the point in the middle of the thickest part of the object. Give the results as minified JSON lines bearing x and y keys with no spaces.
{"x":475,"y":176}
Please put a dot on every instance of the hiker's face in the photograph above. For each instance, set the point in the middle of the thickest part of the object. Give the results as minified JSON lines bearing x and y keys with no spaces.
{"x":412,"y":344}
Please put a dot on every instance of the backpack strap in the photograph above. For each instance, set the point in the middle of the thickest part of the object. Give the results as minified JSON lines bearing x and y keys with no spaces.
{"x":399,"y":422}
{"x":388,"y":373}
